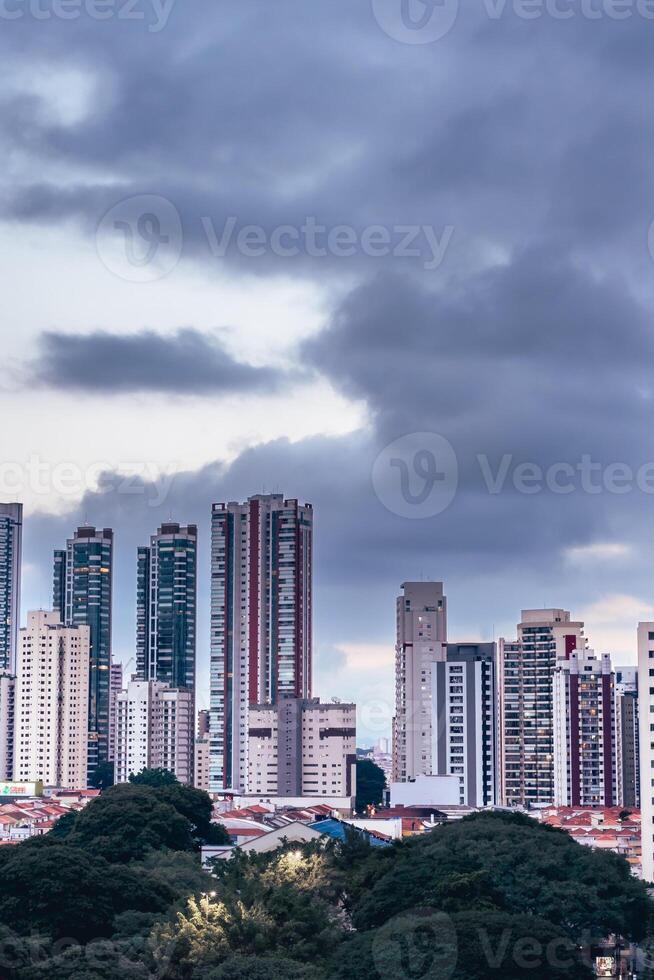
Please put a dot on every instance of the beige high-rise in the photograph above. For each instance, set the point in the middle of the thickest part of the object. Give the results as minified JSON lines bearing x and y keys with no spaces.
{"x":51,"y":702}
{"x":421,"y":624}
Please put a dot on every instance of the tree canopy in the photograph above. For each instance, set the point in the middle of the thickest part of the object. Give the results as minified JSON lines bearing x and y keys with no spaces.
{"x":371,"y":782}
{"x":493,"y":895}
{"x":155,"y":778}
{"x":127,"y":821}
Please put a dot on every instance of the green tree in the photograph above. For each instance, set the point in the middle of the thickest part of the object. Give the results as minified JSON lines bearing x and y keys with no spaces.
{"x":65,"y":892}
{"x":154,"y":778}
{"x":283,"y":904}
{"x":196,"y":806}
{"x":128,"y":821}
{"x":106,"y":959}
{"x":371,"y":782}
{"x":529,"y":869}
{"x":64,"y":825}
{"x":178,"y":870}
{"x":259,"y":968}
{"x":431,"y":945}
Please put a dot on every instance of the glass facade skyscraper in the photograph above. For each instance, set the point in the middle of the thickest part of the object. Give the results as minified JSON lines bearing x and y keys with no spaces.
{"x":11,"y":543}
{"x":167,"y":607}
{"x":82,"y":595}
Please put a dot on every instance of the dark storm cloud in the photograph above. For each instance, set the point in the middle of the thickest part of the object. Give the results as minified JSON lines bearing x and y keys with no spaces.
{"x":497,"y":358}
{"x":186,"y":363}
{"x":505,"y":129}
{"x":534,"y":338}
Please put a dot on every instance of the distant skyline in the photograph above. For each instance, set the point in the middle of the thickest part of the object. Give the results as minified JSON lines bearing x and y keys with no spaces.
{"x":260,"y":246}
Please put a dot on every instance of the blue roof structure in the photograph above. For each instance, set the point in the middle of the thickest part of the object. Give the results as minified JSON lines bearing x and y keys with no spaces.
{"x":337,"y":829}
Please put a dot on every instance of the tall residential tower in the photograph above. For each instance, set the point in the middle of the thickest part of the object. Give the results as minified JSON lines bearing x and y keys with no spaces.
{"x":585,"y":770}
{"x":51,"y":703}
{"x":464,"y":733}
{"x":526,"y":703}
{"x":167,"y":607}
{"x":82,"y":596}
{"x":421,"y":625}
{"x":11,"y":542}
{"x":261,"y":620}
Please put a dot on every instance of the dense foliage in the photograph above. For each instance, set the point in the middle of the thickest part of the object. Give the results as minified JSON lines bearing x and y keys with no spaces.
{"x":154,"y":777}
{"x":117,"y":893}
{"x":371,"y":782}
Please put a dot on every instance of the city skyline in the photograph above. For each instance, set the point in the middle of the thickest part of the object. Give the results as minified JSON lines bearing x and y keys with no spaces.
{"x":362,"y":674}
{"x":326,"y":488}
{"x":360,"y":671}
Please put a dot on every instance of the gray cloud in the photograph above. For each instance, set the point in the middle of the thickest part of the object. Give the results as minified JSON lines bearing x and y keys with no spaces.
{"x":532,"y":138}
{"x":536,"y":355}
{"x":185,"y":363}
{"x":282,"y":112}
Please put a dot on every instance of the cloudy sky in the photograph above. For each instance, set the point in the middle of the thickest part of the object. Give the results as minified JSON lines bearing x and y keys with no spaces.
{"x":392,"y":257}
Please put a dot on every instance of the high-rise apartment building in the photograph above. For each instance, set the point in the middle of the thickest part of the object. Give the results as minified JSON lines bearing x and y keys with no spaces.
{"x":261,"y":620}
{"x":300,"y":747}
{"x":51,"y":702}
{"x":7,"y":700}
{"x":115,"y":688}
{"x":464,"y":727}
{"x":627,"y":736}
{"x":167,"y":607}
{"x":155,"y":729}
{"x":11,"y":544}
{"x":421,"y":626}
{"x":585,"y":771}
{"x":82,"y":596}
{"x":646,"y":717}
{"x":526,"y":703}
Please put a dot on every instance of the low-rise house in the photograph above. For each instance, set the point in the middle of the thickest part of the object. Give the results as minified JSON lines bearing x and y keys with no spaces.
{"x":605,"y":828}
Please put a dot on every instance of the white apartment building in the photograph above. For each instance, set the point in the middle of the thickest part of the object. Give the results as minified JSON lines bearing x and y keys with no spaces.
{"x":51,"y":702}
{"x":7,"y":695}
{"x":464,"y":728}
{"x":155,"y":728}
{"x":525,"y":693}
{"x":302,"y":748}
{"x":646,"y":712}
{"x":421,"y":630}
{"x":585,"y":770}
